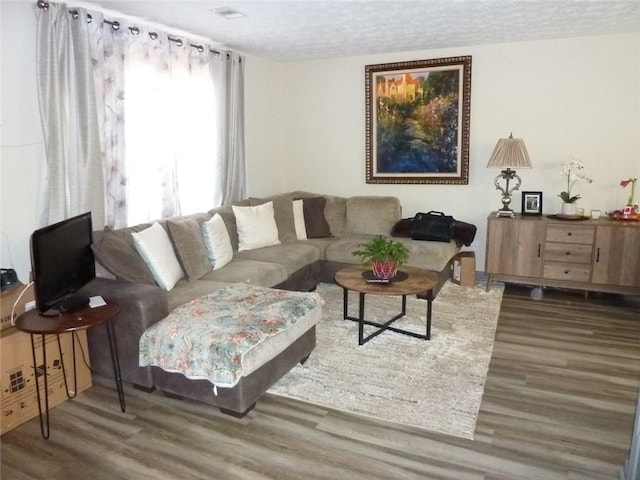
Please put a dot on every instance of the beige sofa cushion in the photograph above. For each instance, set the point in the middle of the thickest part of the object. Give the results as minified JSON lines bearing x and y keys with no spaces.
{"x":243,"y":270}
{"x":293,"y":255}
{"x":372,"y":215}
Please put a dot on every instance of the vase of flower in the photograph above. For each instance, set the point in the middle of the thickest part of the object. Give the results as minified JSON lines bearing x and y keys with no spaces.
{"x":573,"y":170}
{"x":631,"y":202}
{"x":569,"y":209}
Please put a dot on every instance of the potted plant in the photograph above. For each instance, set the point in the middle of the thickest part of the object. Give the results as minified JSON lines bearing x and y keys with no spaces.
{"x":573,"y":170}
{"x":384,"y":255}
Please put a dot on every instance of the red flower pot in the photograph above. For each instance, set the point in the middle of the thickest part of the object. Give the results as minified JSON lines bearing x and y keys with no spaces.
{"x":384,"y":270}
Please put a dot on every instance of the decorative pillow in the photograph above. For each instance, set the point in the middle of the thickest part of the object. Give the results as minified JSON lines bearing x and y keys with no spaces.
{"x":361,"y":219}
{"x":314,"y":219}
{"x":155,"y":248}
{"x":256,"y":227}
{"x":217,"y":242}
{"x":120,"y":258}
{"x":336,"y":214}
{"x":298,"y":218}
{"x":283,"y":214}
{"x":186,"y":235}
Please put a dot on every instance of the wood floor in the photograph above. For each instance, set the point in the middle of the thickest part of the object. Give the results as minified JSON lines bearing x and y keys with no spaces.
{"x":559,"y":403}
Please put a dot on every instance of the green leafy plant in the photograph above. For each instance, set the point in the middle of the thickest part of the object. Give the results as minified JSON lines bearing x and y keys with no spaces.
{"x":382,"y":249}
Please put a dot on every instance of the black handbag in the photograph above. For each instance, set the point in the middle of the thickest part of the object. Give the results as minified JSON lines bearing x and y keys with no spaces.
{"x":433,"y":226}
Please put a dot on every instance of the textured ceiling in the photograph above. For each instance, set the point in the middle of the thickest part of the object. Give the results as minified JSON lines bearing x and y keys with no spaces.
{"x":297,"y":30}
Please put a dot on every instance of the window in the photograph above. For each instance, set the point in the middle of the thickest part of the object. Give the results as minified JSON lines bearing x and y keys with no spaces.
{"x":170,"y":138}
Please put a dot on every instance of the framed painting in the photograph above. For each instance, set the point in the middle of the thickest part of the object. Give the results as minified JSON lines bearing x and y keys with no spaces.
{"x":417,"y":121}
{"x":532,"y":203}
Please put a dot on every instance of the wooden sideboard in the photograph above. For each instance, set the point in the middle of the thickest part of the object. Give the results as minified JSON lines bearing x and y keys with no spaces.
{"x":593,"y":255}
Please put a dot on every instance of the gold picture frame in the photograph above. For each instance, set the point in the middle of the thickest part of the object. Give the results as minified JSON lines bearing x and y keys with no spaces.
{"x":417,"y":121}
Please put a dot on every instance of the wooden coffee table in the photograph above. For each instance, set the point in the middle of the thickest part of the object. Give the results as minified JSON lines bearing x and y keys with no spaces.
{"x":409,"y":281}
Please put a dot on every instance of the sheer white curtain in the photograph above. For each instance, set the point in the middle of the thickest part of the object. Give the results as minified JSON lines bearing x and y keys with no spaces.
{"x":169,"y":126}
{"x":137,"y":126}
{"x":73,"y":180}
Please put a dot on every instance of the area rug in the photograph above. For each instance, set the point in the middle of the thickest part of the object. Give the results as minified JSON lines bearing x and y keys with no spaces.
{"x":434,"y":384}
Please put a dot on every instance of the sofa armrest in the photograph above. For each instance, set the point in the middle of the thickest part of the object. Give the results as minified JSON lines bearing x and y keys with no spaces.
{"x":141,"y":306}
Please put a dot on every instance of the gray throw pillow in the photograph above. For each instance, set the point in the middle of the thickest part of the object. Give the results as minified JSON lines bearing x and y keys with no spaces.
{"x":186,"y":236}
{"x":115,"y":252}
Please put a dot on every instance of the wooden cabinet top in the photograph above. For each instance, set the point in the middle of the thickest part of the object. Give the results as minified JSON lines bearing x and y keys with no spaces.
{"x":603,"y":221}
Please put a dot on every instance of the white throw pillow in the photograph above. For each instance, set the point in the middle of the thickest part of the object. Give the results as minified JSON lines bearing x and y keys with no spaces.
{"x":217,"y":242}
{"x":298,"y":220}
{"x":155,"y":248}
{"x":256,"y":226}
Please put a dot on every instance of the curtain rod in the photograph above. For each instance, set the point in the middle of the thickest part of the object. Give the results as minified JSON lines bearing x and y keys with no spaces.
{"x":134,"y":30}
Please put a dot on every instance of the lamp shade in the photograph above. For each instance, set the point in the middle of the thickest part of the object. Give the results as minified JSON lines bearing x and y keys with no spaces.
{"x":509,"y":152}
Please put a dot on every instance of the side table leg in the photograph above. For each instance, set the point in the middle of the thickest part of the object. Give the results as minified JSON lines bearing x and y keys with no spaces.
{"x":44,"y":422}
{"x":113,"y":347}
{"x":64,"y":370}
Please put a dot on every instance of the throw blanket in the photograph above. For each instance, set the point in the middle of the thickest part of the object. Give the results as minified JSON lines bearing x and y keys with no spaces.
{"x":207,"y":337}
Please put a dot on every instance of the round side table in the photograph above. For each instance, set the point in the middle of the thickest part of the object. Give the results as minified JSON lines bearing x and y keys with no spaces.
{"x":35,"y":324}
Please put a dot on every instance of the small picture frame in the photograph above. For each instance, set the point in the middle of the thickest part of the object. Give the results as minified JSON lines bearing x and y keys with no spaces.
{"x":532,"y":203}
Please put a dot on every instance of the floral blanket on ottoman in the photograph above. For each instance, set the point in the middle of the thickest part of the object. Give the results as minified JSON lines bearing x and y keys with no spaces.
{"x":207,"y":337}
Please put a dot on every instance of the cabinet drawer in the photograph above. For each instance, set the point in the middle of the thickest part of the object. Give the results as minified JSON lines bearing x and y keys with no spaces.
{"x":572,"y":272}
{"x":570,"y":234}
{"x":567,"y":252}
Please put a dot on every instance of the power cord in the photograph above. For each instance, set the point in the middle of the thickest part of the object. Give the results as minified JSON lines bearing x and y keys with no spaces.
{"x":84,"y":357}
{"x":13,"y":309}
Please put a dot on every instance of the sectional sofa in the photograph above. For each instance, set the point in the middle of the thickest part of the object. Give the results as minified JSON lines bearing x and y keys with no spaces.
{"x":291,"y":241}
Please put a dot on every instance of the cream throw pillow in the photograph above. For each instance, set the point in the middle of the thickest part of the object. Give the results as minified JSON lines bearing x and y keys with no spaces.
{"x":298,"y":220}
{"x":155,"y":248}
{"x":217,"y":242}
{"x":256,"y":226}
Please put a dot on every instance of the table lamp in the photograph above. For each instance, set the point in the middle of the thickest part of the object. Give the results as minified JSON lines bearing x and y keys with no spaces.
{"x":509,"y":152}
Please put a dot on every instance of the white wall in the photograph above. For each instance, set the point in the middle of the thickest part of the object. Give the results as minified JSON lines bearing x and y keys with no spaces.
{"x":573,"y":97}
{"x":305,"y":125}
{"x":21,"y":144}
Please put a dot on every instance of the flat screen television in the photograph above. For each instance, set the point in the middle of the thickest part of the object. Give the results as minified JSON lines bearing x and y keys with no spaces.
{"x":62,"y":262}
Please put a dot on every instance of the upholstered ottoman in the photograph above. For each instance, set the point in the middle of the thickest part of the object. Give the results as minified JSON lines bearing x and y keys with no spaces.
{"x":229,"y":347}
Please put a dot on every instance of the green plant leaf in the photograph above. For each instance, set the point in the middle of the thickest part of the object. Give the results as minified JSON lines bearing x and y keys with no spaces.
{"x":382,"y":249}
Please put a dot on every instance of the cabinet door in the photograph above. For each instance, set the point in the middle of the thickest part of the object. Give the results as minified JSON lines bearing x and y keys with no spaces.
{"x":514,"y":247}
{"x":617,"y":256}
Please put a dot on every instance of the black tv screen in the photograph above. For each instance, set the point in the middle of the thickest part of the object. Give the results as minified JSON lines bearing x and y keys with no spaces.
{"x":61,"y":260}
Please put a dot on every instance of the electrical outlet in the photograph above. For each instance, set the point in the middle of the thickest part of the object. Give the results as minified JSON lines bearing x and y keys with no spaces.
{"x":29,"y":305}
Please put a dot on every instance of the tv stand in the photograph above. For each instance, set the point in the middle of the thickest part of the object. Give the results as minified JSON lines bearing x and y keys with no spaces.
{"x":84,"y":319}
{"x":68,"y":304}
